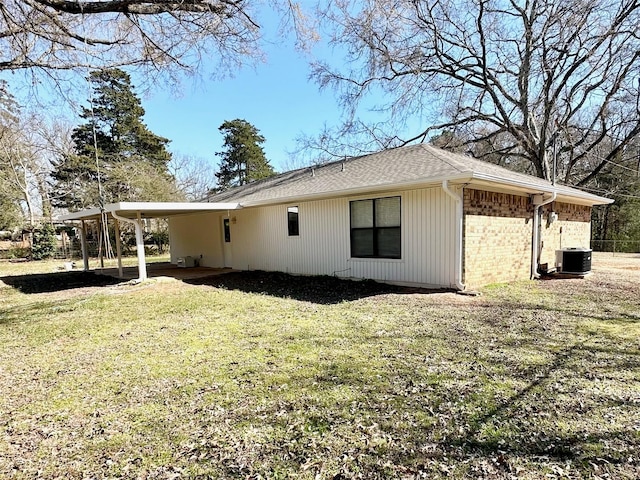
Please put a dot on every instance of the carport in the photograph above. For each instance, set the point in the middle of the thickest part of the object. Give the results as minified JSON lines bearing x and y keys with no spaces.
{"x":135,"y":213}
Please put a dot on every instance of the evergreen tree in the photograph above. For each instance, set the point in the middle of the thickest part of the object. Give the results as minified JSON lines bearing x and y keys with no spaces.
{"x":10,"y":213}
{"x":132,"y":162}
{"x":243,"y":159}
{"x":44,"y":242}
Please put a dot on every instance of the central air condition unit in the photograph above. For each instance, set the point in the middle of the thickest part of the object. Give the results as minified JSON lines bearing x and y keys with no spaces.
{"x":574,"y":260}
{"x":186,"y":262}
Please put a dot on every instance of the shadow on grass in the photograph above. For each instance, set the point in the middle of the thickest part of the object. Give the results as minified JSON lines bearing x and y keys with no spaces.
{"x":316,"y":289}
{"x":602,"y":314}
{"x":524,"y":437}
{"x":55,"y":282}
{"x":383,"y":432}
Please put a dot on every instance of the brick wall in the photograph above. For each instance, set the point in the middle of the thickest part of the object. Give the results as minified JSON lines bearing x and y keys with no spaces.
{"x":498,"y":230}
{"x":497,"y":237}
{"x":572,"y":229}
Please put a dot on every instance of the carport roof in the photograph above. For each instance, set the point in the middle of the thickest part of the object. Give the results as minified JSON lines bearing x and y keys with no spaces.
{"x":150,"y":209}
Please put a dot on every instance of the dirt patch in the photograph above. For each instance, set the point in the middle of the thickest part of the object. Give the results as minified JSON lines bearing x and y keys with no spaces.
{"x":613,"y":279}
{"x":316,"y":289}
{"x":625,"y":261}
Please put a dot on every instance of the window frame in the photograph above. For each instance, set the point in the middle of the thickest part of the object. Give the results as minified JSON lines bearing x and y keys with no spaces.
{"x":226,"y":227}
{"x":293,"y":232}
{"x":375,"y":229}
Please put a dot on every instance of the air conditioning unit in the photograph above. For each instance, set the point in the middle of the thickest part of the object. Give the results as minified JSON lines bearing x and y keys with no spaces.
{"x":186,"y":262}
{"x":574,"y":260}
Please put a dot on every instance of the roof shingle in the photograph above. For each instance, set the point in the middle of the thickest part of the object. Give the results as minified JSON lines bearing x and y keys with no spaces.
{"x":403,"y":165}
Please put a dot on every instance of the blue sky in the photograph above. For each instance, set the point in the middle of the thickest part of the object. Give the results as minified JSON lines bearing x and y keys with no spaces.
{"x":276,"y":96}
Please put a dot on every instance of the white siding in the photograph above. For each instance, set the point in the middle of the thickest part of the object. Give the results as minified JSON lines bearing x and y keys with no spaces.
{"x":260,"y":240}
{"x":196,"y":235}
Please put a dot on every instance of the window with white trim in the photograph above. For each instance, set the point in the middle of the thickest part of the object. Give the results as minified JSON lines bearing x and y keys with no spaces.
{"x":375,"y":228}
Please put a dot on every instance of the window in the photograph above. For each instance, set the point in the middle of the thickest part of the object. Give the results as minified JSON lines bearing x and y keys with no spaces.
{"x":227,"y":231}
{"x":293,"y":221}
{"x":375,"y":228}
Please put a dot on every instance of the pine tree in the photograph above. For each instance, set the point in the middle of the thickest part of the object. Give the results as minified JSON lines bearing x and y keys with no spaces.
{"x":243,"y":159}
{"x":44,"y":242}
{"x":132,"y":163}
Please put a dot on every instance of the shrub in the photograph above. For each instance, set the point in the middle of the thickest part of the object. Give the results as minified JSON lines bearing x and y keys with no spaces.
{"x":18,"y":252}
{"x":44,"y":242}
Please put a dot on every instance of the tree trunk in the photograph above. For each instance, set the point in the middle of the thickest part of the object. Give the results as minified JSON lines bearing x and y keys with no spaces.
{"x":43,"y":191}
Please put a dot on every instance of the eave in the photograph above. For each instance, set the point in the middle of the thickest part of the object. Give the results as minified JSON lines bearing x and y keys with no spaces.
{"x":150,"y":210}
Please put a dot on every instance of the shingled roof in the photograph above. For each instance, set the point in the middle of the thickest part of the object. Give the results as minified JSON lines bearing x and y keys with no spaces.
{"x":412,"y":165}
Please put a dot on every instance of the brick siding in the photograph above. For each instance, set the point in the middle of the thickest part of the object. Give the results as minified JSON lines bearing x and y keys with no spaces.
{"x":572,"y":229}
{"x":497,"y":237}
{"x":498,"y":230}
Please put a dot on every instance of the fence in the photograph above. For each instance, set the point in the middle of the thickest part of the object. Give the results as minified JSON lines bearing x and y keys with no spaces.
{"x":11,"y":249}
{"x":616,"y":246}
{"x":70,"y":250}
{"x":74,"y":251}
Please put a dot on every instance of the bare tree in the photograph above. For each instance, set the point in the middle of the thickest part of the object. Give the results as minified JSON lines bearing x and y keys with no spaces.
{"x":48,"y":139}
{"x":521,"y":75}
{"x":194,"y":176}
{"x":22,"y":173}
{"x":52,"y":36}
{"x":28,"y":144}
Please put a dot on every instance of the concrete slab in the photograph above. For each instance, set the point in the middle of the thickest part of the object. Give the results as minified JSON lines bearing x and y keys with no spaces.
{"x":155,"y":270}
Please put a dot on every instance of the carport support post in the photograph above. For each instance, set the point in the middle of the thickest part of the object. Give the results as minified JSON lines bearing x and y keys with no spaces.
{"x":101,"y":227}
{"x":116,"y":226}
{"x":137,"y":223}
{"x":83,"y":246}
{"x":142,"y":265}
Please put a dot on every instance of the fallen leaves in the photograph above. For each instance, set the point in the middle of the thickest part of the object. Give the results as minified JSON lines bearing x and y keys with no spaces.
{"x":530,"y":381}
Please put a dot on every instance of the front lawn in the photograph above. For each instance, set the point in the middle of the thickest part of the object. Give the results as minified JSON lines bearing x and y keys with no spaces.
{"x":167,"y":380}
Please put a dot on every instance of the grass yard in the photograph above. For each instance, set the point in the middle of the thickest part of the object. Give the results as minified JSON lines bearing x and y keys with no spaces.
{"x":221,"y":379}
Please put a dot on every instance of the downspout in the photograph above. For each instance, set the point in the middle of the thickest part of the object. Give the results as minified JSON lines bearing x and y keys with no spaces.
{"x":535,"y":237}
{"x":459,"y":233}
{"x":142,"y":266}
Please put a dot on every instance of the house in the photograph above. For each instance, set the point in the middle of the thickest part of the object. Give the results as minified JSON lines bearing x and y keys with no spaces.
{"x":414,"y":215}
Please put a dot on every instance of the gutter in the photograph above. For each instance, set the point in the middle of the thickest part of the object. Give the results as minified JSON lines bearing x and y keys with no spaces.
{"x":464,"y":177}
{"x":459,"y":234}
{"x":535,"y":236}
{"x":87,"y":214}
{"x":565,"y":190}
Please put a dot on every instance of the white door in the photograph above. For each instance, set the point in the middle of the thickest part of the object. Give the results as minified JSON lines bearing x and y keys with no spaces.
{"x":226,"y":242}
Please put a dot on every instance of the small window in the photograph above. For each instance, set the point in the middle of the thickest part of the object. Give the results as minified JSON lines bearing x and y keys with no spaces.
{"x":375,"y":228}
{"x":293,"y":221}
{"x":227,"y":231}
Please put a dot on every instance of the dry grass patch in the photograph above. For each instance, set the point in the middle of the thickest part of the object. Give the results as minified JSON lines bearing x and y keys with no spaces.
{"x":172,"y":380}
